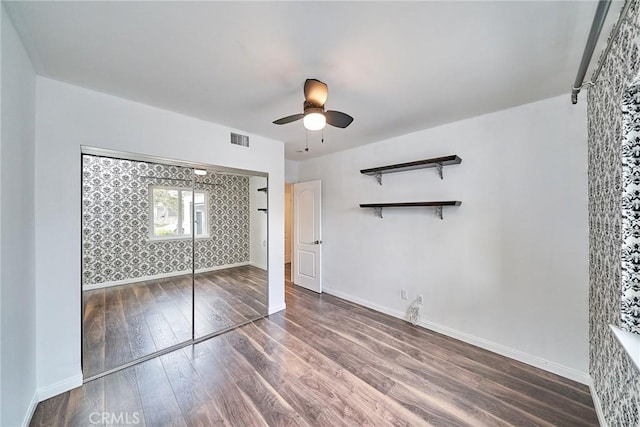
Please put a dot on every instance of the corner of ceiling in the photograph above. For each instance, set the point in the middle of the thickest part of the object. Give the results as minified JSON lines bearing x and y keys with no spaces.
{"x":15,"y":17}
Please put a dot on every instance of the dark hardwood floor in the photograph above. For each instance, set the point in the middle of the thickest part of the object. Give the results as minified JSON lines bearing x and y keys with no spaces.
{"x":124,"y":323}
{"x":325,"y":362}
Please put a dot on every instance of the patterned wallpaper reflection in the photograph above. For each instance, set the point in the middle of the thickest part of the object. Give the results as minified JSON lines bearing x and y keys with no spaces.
{"x":116,"y":220}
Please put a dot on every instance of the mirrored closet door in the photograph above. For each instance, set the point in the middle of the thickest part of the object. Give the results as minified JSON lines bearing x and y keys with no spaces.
{"x":236,"y":293}
{"x":170,"y":254}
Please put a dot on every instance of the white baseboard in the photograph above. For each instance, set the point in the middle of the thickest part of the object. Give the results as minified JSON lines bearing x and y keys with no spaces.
{"x":597,"y":404}
{"x":59,"y":387}
{"x":277,"y":308}
{"x":30,"y":410}
{"x":538,"y":362}
{"x":529,"y":359}
{"x":261,"y":267}
{"x":221,"y":267}
{"x":159,"y":276}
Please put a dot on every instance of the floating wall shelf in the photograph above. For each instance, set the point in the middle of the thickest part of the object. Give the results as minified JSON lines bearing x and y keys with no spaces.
{"x":436,"y":162}
{"x":264,"y":189}
{"x":437,"y":205}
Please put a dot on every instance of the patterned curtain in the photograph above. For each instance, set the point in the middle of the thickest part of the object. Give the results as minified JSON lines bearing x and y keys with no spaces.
{"x":630,"y":204}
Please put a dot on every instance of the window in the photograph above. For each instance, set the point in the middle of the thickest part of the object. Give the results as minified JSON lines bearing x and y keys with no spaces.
{"x":172,"y":210}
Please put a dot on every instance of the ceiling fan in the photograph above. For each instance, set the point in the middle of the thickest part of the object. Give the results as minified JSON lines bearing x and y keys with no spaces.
{"x":314,"y":116}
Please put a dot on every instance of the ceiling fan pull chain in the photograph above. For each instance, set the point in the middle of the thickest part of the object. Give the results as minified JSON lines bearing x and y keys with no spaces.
{"x":323,"y":135}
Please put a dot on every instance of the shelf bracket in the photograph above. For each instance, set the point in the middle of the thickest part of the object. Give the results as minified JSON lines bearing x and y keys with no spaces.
{"x":378,"y":177}
{"x":439,"y":168}
{"x":378,"y":212}
{"x":439,"y":211}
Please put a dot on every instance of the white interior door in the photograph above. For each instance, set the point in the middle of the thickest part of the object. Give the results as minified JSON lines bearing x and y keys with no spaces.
{"x":307,"y":237}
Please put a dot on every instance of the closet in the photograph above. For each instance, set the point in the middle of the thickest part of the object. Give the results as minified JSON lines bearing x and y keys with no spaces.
{"x":172,"y":254}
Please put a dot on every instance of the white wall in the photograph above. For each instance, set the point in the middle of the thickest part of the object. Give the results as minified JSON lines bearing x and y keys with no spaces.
{"x":258,"y":222}
{"x":68,"y":116}
{"x":507,"y":270}
{"x":290,"y":171}
{"x":17,"y":295}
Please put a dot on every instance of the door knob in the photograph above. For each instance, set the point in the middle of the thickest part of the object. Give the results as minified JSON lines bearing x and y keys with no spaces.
{"x":317,"y":242}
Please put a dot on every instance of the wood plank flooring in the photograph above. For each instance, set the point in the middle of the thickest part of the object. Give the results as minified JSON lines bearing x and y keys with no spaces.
{"x":326,"y":362}
{"x":124,"y":323}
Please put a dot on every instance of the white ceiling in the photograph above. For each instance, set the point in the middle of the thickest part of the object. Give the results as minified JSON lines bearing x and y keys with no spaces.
{"x":396,"y":67}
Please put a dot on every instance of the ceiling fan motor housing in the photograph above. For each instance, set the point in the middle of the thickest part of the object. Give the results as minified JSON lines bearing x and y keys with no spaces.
{"x":310,"y":107}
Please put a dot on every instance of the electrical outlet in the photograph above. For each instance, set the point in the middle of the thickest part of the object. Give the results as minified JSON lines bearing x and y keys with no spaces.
{"x":420,"y":300}
{"x":404,"y":294}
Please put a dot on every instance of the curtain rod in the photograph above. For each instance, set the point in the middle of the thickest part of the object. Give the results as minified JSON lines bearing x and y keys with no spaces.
{"x":594,"y":35}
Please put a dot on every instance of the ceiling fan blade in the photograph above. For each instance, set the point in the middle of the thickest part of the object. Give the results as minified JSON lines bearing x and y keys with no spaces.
{"x":338,"y":119}
{"x":288,"y":119}
{"x":315,"y":92}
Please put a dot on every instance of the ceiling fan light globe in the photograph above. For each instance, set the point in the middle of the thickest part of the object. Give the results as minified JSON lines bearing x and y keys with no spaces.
{"x":314,"y":121}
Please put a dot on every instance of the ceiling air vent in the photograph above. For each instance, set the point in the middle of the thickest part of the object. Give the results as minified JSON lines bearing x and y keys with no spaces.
{"x":238,"y":139}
